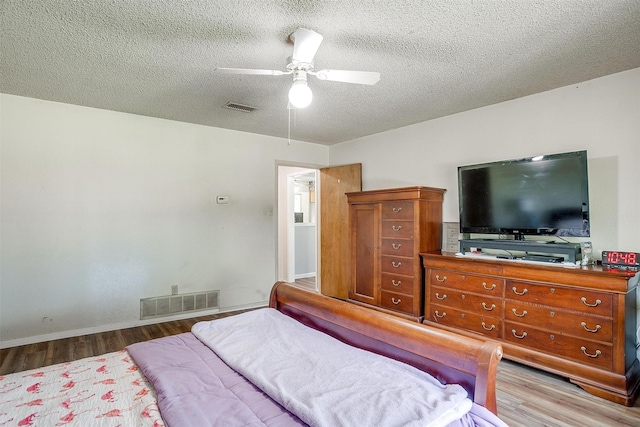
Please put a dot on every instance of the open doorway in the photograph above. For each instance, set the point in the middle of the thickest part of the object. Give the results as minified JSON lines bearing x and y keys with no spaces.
{"x":330,"y":214}
{"x":297,"y":226}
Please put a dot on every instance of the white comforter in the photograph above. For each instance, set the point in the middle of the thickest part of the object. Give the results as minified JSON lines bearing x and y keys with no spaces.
{"x":326,"y":382}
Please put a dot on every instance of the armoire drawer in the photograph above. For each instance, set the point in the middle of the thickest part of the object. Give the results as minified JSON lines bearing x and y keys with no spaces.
{"x":397,"y":247}
{"x":480,"y":284}
{"x":399,"y":284}
{"x":397,"y":229}
{"x":398,"y":210}
{"x":398,"y":302}
{"x":397,"y":265}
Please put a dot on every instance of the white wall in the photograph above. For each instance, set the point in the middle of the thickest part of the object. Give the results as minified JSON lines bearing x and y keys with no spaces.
{"x":601,"y":116}
{"x":305,"y":251}
{"x":100,"y":209}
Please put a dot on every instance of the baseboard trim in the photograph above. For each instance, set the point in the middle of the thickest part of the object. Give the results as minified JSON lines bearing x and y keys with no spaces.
{"x":305,"y":275}
{"x":124,"y":325}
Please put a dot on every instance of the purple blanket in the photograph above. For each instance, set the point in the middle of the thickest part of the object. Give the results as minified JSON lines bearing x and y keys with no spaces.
{"x":196,"y":388}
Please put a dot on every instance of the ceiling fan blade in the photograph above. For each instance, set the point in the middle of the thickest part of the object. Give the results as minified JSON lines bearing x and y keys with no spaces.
{"x":250,"y":71}
{"x":360,"y":77}
{"x":305,"y":45}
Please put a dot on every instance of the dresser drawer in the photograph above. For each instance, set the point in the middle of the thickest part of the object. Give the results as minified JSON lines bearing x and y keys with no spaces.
{"x":398,"y":247}
{"x":400,"y":284}
{"x":488,"y":285}
{"x":588,"y":302}
{"x":581,"y":350}
{"x":398,"y":265}
{"x":397,"y":229}
{"x":483,"y":324}
{"x":474,"y":303}
{"x":397,"y":210}
{"x":398,"y":302}
{"x":562,"y":322}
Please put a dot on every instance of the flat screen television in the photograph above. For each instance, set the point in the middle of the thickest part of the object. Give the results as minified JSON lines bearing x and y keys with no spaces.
{"x":542,"y":195}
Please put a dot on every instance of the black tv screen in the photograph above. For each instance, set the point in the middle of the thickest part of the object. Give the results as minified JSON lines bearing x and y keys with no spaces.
{"x":543,"y":195}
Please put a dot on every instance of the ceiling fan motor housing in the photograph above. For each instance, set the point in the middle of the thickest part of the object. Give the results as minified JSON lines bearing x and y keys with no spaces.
{"x":299,"y":75}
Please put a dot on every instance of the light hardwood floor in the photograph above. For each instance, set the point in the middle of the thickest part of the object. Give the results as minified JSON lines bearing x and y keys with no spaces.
{"x":526,"y":397}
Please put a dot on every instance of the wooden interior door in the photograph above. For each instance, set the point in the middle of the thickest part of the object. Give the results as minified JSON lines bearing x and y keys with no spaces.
{"x":335,"y":256}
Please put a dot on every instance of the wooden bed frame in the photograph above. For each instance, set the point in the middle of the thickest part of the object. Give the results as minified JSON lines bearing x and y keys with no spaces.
{"x":449,"y":357}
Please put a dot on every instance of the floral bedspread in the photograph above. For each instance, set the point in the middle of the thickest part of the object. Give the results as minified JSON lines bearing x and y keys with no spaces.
{"x":106,"y":390}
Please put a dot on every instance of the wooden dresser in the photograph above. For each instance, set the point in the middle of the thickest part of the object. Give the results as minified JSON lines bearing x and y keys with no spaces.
{"x":388,"y":230}
{"x":576,"y":322}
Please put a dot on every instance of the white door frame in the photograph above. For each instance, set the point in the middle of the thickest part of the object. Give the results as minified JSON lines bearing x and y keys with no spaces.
{"x":285,"y":243}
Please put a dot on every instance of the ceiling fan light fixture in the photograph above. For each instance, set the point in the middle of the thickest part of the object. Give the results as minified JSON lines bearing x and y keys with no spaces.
{"x":305,"y":45}
{"x":300,"y":94}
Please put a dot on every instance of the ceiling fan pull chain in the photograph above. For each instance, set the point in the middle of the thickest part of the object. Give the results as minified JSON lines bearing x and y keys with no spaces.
{"x":289,"y":129}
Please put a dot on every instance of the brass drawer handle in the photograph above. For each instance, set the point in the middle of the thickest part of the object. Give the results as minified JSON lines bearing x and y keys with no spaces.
{"x":584,"y":350}
{"x":484,"y":326}
{"x":394,"y":283}
{"x":584,"y":325}
{"x":524,"y":334}
{"x":597,"y":303}
{"x":489,"y":288}
{"x":396,"y":245}
{"x":396,"y":227}
{"x":441,"y":297}
{"x":484,"y":305}
{"x":515,"y":291}
{"x":396,"y":210}
{"x":439,"y":279}
{"x":524,"y":313}
{"x":396,"y":264}
{"x":440,"y":316}
{"x":393,"y":300}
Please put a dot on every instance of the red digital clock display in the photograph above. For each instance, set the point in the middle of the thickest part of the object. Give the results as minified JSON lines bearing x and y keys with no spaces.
{"x":630,"y":260}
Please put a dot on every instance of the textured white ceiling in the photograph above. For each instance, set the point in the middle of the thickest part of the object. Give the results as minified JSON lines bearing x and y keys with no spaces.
{"x":156,"y":58}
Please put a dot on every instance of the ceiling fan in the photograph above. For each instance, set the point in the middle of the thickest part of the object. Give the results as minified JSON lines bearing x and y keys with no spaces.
{"x":305,"y":45}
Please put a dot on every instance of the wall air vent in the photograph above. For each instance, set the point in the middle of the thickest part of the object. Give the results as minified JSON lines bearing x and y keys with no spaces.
{"x":177,"y":304}
{"x":240,"y":107}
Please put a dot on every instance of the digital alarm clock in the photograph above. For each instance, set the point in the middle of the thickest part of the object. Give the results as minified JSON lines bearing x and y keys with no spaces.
{"x":621,"y":260}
